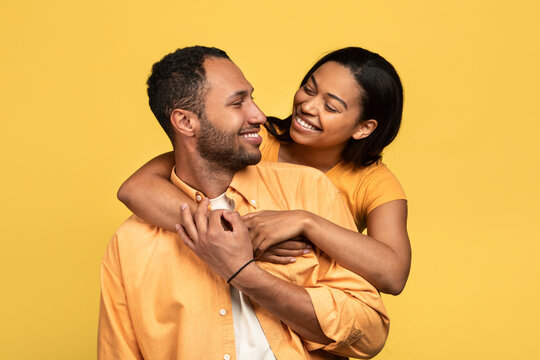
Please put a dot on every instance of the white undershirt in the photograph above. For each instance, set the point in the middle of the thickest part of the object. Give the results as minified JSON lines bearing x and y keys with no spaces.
{"x":250,"y":341}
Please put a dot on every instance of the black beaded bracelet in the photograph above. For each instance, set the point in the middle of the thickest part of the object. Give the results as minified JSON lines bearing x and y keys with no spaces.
{"x":236,"y":273}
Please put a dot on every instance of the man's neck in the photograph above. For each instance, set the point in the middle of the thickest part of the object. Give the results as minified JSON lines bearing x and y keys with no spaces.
{"x":209,"y":178}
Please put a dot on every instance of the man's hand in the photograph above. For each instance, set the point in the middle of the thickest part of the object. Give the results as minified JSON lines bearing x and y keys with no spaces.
{"x":218,"y":237}
{"x":226,"y":251}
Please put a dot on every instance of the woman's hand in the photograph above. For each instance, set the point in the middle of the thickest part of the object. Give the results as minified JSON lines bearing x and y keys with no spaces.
{"x":286,"y":252}
{"x":268,"y":228}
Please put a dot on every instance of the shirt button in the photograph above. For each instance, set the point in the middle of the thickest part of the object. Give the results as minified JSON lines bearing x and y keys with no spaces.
{"x":198,"y":197}
{"x":253,"y":202}
{"x":227,"y":357}
{"x":222,"y":312}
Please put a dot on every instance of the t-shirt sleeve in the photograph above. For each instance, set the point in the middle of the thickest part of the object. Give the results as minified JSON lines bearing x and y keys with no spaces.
{"x":380,"y":186}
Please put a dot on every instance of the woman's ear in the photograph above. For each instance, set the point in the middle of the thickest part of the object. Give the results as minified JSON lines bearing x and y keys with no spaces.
{"x":364,"y":129}
{"x":185,"y":122}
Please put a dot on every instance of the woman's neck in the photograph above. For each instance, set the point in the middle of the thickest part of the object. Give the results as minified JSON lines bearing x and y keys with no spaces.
{"x":320,"y":158}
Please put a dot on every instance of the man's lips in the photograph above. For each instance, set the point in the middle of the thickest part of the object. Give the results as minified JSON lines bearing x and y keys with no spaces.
{"x":251,"y":135}
{"x":251,"y":132}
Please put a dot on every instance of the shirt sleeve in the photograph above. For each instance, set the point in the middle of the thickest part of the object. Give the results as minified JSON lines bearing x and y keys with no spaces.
{"x":381,"y":186}
{"x":349,"y":309}
{"x":116,"y":337}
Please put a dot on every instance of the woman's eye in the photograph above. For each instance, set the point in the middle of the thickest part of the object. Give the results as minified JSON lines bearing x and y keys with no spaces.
{"x":330,"y":108}
{"x":308,"y":90}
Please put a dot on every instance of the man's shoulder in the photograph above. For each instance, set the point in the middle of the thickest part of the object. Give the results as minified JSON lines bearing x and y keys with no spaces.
{"x":136,"y":240}
{"x":134,"y":224}
{"x":135,"y":232}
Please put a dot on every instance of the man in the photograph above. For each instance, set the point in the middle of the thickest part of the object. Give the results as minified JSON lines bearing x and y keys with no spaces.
{"x":166,"y":298}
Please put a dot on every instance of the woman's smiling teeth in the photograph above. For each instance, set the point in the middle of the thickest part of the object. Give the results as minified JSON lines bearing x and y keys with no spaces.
{"x":305,"y":124}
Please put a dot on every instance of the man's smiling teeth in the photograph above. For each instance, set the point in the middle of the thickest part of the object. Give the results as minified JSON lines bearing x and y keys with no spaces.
{"x":305,"y":124}
{"x":250,"y":135}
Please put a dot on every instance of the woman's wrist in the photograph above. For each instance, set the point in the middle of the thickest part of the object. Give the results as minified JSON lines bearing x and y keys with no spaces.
{"x":308,"y":222}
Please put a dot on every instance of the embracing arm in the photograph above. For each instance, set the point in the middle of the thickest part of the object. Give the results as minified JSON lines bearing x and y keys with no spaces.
{"x":226,"y":251}
{"x":383,"y":257}
{"x":332,"y":308}
{"x":150,"y":194}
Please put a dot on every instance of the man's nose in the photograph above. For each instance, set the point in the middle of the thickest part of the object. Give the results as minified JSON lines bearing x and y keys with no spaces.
{"x":256,"y":116}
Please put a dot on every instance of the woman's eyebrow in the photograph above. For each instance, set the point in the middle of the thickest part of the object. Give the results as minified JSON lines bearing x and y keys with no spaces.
{"x":312,"y":77}
{"x":339,"y":99}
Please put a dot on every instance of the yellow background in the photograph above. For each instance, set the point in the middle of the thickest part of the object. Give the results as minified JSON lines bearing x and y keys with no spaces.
{"x":75,"y":123}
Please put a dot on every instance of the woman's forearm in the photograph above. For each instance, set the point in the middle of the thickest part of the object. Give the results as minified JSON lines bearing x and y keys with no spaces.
{"x":150,"y":194}
{"x":383,"y":258}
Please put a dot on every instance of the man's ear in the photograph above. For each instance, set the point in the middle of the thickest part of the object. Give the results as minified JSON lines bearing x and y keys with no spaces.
{"x":184,"y":121}
{"x":364,"y":129}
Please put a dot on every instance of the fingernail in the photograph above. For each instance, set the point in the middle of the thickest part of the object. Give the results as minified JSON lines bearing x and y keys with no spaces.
{"x":183,"y":206}
{"x":292,"y":260}
{"x":177,"y":227}
{"x":307,"y":251}
{"x":308,"y":246}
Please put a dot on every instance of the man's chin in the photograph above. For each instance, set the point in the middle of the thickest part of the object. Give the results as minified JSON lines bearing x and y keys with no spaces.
{"x":251,"y":159}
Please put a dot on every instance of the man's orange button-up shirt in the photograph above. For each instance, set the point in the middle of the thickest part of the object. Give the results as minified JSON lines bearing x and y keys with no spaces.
{"x":160,"y":301}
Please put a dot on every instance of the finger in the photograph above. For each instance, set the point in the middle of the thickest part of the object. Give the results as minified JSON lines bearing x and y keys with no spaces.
{"x":294,"y":245}
{"x":265,"y":242}
{"x":278,"y":259}
{"x":188,"y":224}
{"x":257,"y":239}
{"x":238,"y":228}
{"x":233,"y":217}
{"x":290,"y":253}
{"x":214,"y":221}
{"x":201,"y":217}
{"x":251,"y":215}
{"x":185,"y":238}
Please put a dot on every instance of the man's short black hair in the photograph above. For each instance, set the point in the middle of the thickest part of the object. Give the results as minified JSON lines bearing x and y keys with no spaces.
{"x":178,"y":82}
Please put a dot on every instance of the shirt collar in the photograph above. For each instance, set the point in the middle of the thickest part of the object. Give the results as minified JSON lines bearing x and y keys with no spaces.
{"x":244,"y":183}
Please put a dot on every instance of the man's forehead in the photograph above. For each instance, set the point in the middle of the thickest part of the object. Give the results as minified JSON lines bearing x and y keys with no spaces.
{"x":224,"y":75}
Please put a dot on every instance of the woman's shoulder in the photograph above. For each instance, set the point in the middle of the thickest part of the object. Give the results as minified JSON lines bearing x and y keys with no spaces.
{"x":366,"y":188}
{"x":357,"y":175}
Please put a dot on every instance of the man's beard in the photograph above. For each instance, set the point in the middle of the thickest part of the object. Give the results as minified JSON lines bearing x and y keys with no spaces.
{"x":218,"y":147}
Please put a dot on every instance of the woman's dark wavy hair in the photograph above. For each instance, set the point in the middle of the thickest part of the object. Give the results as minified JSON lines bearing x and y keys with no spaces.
{"x":381,"y":96}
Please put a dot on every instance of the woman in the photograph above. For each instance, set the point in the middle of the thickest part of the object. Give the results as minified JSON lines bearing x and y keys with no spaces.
{"x":346,"y":111}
